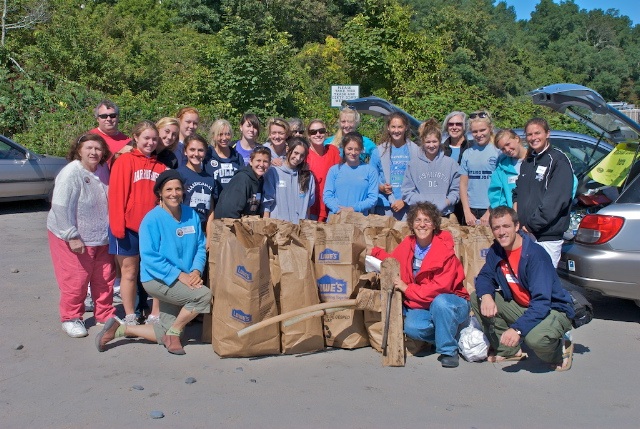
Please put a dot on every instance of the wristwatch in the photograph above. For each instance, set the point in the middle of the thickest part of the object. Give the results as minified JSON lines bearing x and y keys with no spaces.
{"x":517,"y":331}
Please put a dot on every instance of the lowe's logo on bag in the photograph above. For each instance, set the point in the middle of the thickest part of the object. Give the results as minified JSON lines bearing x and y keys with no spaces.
{"x":241,"y":316}
{"x":331,"y":286}
{"x":242,"y":272}
{"x":329,"y":255}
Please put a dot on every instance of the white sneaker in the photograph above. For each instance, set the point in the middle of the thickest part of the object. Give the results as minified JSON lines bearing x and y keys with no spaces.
{"x":88,"y":304}
{"x":75,"y":328}
{"x":152,"y":320}
{"x":130,"y":319}
{"x":117,"y":299}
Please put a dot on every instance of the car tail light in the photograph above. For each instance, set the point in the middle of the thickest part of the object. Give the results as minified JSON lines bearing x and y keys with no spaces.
{"x":598,"y":229}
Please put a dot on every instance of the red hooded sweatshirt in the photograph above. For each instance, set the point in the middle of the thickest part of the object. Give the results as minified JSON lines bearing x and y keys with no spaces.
{"x":131,"y":190}
{"x":441,"y":270}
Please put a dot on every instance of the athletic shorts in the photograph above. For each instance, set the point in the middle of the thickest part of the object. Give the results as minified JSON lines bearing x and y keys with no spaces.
{"x":127,"y":246}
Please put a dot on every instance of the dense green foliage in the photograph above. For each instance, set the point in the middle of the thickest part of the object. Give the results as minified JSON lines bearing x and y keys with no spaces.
{"x":279,"y":57}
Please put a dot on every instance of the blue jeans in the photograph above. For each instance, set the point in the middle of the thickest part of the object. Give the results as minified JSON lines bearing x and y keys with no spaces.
{"x":440,"y":324}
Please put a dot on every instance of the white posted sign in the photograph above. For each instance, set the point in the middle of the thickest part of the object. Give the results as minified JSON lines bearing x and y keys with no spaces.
{"x":343,"y":92}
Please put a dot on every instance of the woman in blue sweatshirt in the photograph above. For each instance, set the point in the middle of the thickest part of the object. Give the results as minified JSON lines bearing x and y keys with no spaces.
{"x":351,"y":185}
{"x":431,"y":176}
{"x":289,"y":189}
{"x":172,"y":258}
{"x":503,"y":179}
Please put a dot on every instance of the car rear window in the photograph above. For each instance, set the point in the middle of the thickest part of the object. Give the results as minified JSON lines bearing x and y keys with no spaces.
{"x":632,"y":193}
{"x":583,"y":156}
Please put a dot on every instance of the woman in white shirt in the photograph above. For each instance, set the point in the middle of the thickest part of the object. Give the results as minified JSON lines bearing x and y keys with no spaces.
{"x":77,"y":227}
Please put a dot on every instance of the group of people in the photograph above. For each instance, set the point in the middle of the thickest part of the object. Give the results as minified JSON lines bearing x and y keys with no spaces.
{"x":138,"y":208}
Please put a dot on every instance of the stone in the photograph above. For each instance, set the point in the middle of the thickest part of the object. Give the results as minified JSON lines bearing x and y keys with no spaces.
{"x":15,"y":270}
{"x":18,"y":347}
{"x":137,"y":387}
{"x":156,"y":414}
{"x":190,"y":380}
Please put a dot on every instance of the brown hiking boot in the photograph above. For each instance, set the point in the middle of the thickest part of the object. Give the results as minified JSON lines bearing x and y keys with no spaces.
{"x":172,"y":344}
{"x":107,"y":334}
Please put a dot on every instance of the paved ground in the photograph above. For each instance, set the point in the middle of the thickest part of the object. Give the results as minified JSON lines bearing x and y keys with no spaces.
{"x":59,"y":382}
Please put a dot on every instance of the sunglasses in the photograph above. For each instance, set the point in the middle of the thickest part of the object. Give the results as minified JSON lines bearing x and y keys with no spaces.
{"x":297,"y":132}
{"x":454,"y":124}
{"x":478,"y":115}
{"x":317,"y":131}
{"x":108,"y":115}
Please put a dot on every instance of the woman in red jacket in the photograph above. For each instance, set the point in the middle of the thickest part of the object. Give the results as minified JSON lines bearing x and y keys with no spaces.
{"x":131,"y":196}
{"x":436,"y":304}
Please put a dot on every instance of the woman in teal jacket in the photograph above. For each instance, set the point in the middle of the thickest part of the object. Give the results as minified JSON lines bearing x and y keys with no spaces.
{"x":503,"y":179}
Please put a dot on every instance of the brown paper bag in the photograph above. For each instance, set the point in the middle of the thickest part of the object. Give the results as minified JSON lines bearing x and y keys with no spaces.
{"x":217,"y":228}
{"x":244,"y":296}
{"x":298,"y":290}
{"x":339,"y":262}
{"x":475,"y":246}
{"x":308,"y":232}
{"x":458,"y":233}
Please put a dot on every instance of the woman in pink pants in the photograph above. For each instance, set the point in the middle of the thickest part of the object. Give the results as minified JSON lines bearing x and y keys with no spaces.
{"x":78,"y":223}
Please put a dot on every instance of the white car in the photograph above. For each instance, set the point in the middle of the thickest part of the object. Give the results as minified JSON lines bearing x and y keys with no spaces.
{"x":26,"y":175}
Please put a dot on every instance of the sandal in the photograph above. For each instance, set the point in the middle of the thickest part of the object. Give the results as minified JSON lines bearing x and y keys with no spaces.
{"x":567,"y":358}
{"x":515,"y":358}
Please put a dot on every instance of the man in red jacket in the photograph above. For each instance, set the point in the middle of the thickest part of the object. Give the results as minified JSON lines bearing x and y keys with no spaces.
{"x":436,"y":304}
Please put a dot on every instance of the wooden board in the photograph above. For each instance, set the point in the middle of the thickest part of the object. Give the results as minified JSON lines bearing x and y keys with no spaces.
{"x":395,"y":352}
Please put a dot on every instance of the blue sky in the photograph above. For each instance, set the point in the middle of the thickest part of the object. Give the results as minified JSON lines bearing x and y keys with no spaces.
{"x":630,"y":8}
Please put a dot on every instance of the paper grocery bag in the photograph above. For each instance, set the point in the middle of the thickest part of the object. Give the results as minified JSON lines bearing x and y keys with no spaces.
{"x":339,"y":262}
{"x":244,"y":296}
{"x":458,"y":233}
{"x":298,"y":290}
{"x":373,"y":317}
{"x":217,"y":228}
{"x":340,"y":244}
{"x":475,"y":247}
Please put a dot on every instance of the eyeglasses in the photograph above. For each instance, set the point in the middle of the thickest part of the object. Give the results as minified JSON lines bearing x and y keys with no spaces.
{"x":317,"y":131}
{"x":454,"y":124}
{"x":108,"y":115}
{"x":427,"y":222}
{"x":481,"y":114}
{"x":297,"y":132}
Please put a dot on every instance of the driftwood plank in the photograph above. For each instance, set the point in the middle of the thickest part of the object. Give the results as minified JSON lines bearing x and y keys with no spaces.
{"x":395,"y":352}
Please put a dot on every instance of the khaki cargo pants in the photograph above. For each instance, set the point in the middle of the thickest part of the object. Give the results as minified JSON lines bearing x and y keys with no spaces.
{"x":545,"y":339}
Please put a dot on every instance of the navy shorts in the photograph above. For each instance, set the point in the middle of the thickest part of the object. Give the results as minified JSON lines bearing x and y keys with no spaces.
{"x":127,"y":246}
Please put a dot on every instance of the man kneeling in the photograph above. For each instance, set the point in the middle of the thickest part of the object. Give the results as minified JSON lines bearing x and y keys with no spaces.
{"x":519,"y":297}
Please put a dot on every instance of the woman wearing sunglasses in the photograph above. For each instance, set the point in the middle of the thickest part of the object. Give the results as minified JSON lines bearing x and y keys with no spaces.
{"x":455,"y":128}
{"x":320,"y":159}
{"x":476,"y":167}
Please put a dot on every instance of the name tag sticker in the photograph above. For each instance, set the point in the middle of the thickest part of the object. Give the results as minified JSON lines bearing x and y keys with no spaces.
{"x":185,"y":230}
{"x":571,"y":264}
{"x":513,"y":179}
{"x":541,"y":169}
{"x":282,"y":184}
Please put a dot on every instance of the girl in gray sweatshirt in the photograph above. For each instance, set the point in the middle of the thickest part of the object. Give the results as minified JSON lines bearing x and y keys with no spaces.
{"x":289,"y":189}
{"x":431,"y":175}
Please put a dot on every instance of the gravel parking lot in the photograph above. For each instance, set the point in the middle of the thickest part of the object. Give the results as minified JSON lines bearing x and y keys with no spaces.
{"x":50,"y":380}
